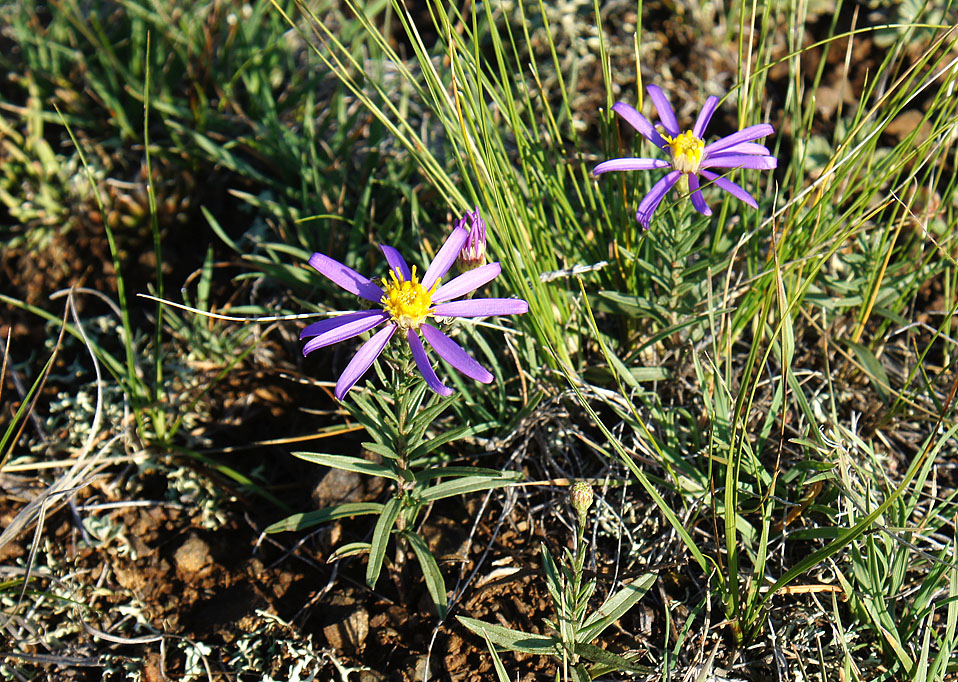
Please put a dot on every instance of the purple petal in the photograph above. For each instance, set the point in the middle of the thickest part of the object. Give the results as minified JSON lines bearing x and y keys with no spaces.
{"x":698,"y":202}
{"x":746,"y":135}
{"x":740,"y":161}
{"x":346,"y":277}
{"x":447,"y":255}
{"x":642,"y":125}
{"x":730,"y":187}
{"x":364,"y":357}
{"x":452,"y":352}
{"x":324,"y":325}
{"x":396,"y":262}
{"x":664,"y":109}
{"x":747,"y":148}
{"x":482,"y":307}
{"x":359,"y":323}
{"x":629,"y":164}
{"x":422,"y":362}
{"x":466,"y":282}
{"x":705,"y":116}
{"x":651,"y":201}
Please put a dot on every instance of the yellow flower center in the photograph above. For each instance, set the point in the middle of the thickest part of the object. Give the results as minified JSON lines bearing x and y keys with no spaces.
{"x":687,"y":151}
{"x":408,"y":301}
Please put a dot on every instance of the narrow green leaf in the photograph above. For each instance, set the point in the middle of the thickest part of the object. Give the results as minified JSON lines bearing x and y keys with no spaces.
{"x":921,"y":669}
{"x":206,"y":279}
{"x":430,"y":572}
{"x":470,"y":484}
{"x":349,"y":549}
{"x":514,"y":640}
{"x":218,"y":229}
{"x":314,"y":518}
{"x":580,"y":674}
{"x":615,"y":607}
{"x":455,"y":472}
{"x":553,"y":582}
{"x":381,"y":450}
{"x":377,"y":551}
{"x":947,"y":645}
{"x":872,"y":367}
{"x":25,"y":405}
{"x":501,"y":673}
{"x":348,"y":463}
{"x":607,"y":658}
{"x":624,"y":373}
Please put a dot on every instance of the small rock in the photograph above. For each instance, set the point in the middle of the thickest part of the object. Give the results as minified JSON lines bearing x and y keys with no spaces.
{"x":192,"y":556}
{"x":417,"y":669}
{"x":11,"y":551}
{"x":906,"y":123}
{"x":351,"y":632}
{"x":339,"y":486}
{"x":334,"y":638}
{"x":357,"y":626}
{"x":371,"y":676}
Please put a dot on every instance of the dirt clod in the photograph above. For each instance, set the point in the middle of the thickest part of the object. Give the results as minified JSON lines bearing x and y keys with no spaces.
{"x":192,"y":557}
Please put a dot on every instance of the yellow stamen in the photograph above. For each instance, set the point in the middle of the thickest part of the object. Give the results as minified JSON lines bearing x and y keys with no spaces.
{"x":687,"y":150}
{"x":408,"y":301}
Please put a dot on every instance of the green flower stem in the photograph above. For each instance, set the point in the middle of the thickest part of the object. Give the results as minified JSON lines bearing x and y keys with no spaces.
{"x":579,"y":553}
{"x":574,"y":597}
{"x":403,"y":379}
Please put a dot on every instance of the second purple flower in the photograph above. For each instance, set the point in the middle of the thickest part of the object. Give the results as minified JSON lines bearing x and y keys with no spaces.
{"x":405,"y":304}
{"x":689,"y":156}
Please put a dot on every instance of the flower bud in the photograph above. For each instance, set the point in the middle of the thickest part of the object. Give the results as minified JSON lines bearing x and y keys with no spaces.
{"x":473,"y":253}
{"x":581,"y":498}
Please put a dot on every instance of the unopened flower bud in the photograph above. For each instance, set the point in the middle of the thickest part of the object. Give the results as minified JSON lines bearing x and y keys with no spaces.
{"x":581,"y":497}
{"x":473,"y":253}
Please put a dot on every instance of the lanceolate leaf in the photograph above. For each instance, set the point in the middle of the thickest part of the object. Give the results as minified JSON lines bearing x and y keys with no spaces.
{"x":580,"y":674}
{"x":383,"y":450}
{"x":470,"y":484}
{"x":873,"y":369}
{"x":501,"y":673}
{"x":377,"y":551}
{"x":314,"y":518}
{"x":349,"y":549}
{"x":515,"y":640}
{"x":552,"y":578}
{"x":454,"y":472}
{"x":430,"y":571}
{"x":606,"y":658}
{"x":348,"y":463}
{"x":615,"y":607}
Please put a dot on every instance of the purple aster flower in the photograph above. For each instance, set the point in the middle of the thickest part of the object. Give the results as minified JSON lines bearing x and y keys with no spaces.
{"x":689,"y":156}
{"x":405,"y":304}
